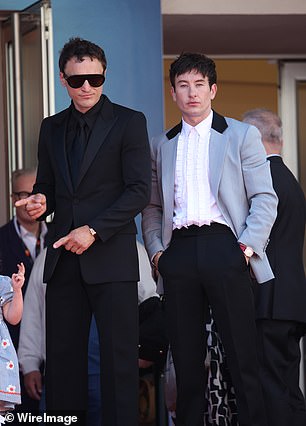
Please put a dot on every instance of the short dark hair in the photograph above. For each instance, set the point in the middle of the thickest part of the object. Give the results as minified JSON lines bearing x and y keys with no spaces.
{"x":187,"y":62}
{"x":80,"y":48}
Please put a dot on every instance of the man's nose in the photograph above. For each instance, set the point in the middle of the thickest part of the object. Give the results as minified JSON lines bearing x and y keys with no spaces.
{"x":192,"y":91}
{"x":86,"y":85}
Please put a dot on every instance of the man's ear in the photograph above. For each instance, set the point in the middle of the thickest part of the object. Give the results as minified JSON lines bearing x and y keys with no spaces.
{"x":213,"y":91}
{"x":173,"y":94}
{"x":62,"y":79}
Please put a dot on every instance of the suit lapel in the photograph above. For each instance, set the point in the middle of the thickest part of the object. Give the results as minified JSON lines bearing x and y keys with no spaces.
{"x":168,"y":152}
{"x":275,"y":159}
{"x":218,"y":145}
{"x":105,"y":121}
{"x":168,"y":164}
{"x":59,"y":142}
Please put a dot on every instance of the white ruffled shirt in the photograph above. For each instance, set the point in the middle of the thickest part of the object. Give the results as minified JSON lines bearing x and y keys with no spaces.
{"x":194,"y":203}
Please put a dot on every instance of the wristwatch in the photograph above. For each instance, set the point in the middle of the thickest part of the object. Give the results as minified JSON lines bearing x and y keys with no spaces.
{"x":247,"y":251}
{"x":93,"y":233}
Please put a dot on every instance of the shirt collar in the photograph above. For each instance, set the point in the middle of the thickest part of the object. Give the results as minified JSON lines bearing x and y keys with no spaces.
{"x":23,"y":232}
{"x":90,"y":116}
{"x":273,"y":155}
{"x":202,"y":128}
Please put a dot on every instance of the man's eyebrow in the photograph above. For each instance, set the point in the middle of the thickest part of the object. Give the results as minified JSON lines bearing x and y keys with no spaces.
{"x":187,"y":81}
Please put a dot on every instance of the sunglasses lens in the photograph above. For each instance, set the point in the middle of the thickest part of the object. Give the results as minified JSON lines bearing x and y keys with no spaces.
{"x":96,"y":80}
{"x":77,"y":81}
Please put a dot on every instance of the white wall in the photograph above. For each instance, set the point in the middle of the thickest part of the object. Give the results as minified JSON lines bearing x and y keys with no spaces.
{"x":238,"y":7}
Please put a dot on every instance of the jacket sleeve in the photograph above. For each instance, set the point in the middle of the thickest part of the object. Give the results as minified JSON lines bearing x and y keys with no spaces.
{"x":260,"y":193}
{"x":152,"y":215}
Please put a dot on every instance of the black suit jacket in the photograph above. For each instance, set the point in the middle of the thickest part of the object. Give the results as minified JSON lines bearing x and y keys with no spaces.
{"x":284,"y":298}
{"x":113,"y":187}
{"x":12,"y":252}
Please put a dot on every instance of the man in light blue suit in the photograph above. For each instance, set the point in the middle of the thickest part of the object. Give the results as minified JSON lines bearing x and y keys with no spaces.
{"x":207,"y":225}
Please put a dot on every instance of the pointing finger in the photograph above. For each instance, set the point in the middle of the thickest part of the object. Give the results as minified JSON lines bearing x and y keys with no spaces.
{"x":22,"y":202}
{"x":61,"y":242}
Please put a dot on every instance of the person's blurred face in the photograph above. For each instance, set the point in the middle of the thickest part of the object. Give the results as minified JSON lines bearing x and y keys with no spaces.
{"x":22,"y":188}
{"x":86,"y":96}
{"x":193,"y":96}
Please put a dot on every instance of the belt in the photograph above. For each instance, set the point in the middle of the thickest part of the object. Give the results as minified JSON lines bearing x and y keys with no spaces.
{"x":193,"y":230}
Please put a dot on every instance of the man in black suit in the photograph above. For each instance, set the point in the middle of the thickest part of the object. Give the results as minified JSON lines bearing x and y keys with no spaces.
{"x":21,"y":240}
{"x":281,"y":302}
{"x":94,"y":175}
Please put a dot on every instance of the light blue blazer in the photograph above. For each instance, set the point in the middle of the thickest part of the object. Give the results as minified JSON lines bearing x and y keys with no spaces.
{"x":240,"y":181}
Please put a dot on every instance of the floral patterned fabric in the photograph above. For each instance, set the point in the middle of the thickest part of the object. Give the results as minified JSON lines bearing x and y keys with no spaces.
{"x":220,"y":402}
{"x":9,"y":369}
{"x":221,"y":409}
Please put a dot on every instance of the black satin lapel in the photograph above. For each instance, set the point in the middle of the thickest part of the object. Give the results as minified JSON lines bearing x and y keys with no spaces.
{"x":219,"y":123}
{"x":96,"y":140}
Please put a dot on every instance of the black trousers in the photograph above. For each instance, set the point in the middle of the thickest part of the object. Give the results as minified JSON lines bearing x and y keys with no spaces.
{"x":70,"y":303}
{"x":205,"y":266}
{"x":280,"y":355}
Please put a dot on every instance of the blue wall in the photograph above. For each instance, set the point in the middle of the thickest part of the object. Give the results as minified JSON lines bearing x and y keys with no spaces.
{"x":130,"y":32}
{"x":15,"y":4}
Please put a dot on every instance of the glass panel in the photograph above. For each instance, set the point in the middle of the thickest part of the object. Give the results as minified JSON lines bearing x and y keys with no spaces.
{"x":301,"y":136}
{"x":30,"y":33}
{"x":11,"y":115}
{"x":301,"y":130}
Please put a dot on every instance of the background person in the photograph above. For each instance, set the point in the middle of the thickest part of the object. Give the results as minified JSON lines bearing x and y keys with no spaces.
{"x":211,"y":212}
{"x":281,"y":303}
{"x":32,"y":347}
{"x":11,"y":304}
{"x":21,"y":240}
{"x":32,"y":350}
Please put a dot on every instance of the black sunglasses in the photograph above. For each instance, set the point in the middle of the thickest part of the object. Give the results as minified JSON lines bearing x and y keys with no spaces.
{"x":77,"y":81}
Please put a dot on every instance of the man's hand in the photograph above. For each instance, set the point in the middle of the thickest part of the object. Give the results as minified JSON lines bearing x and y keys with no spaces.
{"x":33,"y":384}
{"x":156,"y":259}
{"x":77,"y":241}
{"x":35,"y":205}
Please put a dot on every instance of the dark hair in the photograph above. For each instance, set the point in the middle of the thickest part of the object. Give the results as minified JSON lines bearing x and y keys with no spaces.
{"x":80,"y":48}
{"x":187,"y":62}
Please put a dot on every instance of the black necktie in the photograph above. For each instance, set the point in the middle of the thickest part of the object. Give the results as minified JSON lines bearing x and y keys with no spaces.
{"x":77,"y":150}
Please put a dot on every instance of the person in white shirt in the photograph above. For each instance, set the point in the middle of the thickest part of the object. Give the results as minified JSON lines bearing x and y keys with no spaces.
{"x":211,"y":212}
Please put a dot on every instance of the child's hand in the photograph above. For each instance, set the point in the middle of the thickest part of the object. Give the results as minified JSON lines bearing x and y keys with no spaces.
{"x":18,"y":279}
